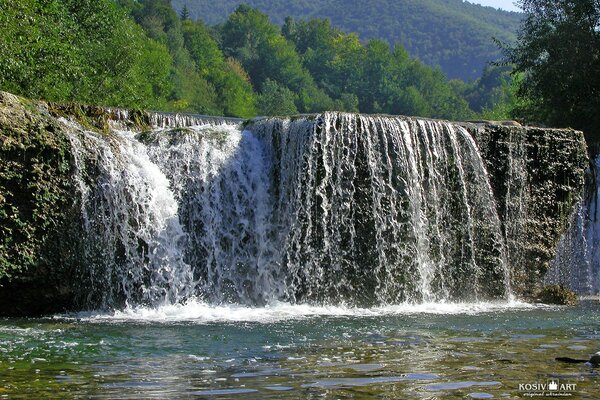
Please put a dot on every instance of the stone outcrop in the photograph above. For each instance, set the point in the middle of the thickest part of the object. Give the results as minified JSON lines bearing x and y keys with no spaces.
{"x":36,"y":209}
{"x":538,"y":175}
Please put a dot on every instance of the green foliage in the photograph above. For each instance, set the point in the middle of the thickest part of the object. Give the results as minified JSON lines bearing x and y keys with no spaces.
{"x":493,"y":96}
{"x":265,"y":54}
{"x":185,"y":13}
{"x":79,"y":50}
{"x":453,"y":34}
{"x":235,"y":90}
{"x":558,"y":56}
{"x":382,"y":80}
{"x":34,"y":185}
{"x":231,"y":82}
{"x":276,"y":100}
{"x":190,"y":91}
{"x":142,"y":54}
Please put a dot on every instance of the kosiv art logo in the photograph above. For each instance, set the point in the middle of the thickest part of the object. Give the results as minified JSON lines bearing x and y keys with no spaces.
{"x":551,"y":388}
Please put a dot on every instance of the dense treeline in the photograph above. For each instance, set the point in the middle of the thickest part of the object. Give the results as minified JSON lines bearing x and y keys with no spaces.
{"x":557,"y":56}
{"x":453,"y":34}
{"x":85,"y":50}
{"x":143,"y":54}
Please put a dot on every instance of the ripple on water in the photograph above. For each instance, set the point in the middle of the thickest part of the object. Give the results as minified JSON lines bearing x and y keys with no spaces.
{"x":524,"y":336}
{"x":279,"y":388}
{"x":459,"y":385}
{"x":365,"y":381}
{"x":468,"y":339}
{"x":218,"y":392}
{"x":365,"y":367}
{"x":481,"y":395}
{"x":471,"y":368}
{"x":265,"y":372}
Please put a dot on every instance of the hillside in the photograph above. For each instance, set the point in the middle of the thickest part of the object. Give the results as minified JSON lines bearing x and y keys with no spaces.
{"x":455,"y":35}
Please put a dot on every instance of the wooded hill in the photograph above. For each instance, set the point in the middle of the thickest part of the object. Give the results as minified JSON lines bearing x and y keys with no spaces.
{"x":143,"y":54}
{"x":452,"y":34}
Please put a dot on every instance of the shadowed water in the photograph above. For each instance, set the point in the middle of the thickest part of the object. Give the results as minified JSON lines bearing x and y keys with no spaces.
{"x":283,"y":351}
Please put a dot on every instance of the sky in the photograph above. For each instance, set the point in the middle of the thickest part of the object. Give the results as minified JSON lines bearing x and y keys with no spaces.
{"x":503,"y":4}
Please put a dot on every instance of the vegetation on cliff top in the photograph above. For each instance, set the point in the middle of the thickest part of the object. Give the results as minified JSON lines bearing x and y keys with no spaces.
{"x":452,"y":34}
{"x":142,"y":54}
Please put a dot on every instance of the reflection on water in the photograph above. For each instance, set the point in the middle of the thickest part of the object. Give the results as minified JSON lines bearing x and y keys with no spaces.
{"x":299,"y":352}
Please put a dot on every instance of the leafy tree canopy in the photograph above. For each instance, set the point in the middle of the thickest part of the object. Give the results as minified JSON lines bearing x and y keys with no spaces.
{"x":142,"y":53}
{"x":557,"y":54}
{"x":453,"y":34}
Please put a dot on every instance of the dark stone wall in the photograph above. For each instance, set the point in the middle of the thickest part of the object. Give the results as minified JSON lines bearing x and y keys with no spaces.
{"x":37,"y":210}
{"x":537,"y":175}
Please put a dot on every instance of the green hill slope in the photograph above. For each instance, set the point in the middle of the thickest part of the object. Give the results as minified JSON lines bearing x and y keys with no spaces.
{"x":453,"y":34}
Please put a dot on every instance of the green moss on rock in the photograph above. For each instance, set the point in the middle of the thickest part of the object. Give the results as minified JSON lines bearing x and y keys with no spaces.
{"x":35,"y":188}
{"x":538,"y":176}
{"x":556,"y":294}
{"x":97,"y":118}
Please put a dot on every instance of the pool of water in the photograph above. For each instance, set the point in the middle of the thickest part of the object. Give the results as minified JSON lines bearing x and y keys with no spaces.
{"x":429,"y":351}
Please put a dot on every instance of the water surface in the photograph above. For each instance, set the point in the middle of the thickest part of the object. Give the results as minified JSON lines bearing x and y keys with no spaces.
{"x":427,"y":351}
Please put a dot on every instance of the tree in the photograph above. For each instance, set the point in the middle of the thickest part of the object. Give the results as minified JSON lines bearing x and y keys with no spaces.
{"x":80,"y":50}
{"x":276,"y":100}
{"x":265,"y":54}
{"x":185,"y":13}
{"x":558,"y":55}
{"x":232,"y":84}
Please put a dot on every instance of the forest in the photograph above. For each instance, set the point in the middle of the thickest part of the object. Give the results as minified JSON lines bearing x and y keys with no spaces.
{"x":453,"y":34}
{"x":144,"y":54}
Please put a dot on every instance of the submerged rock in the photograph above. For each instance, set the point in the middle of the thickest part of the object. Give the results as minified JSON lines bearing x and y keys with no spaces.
{"x":593,"y":362}
{"x":595,"y":359}
{"x":556,"y":294}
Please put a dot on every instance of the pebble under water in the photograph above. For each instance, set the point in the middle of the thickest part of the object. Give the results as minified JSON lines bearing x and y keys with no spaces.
{"x":481,"y":350}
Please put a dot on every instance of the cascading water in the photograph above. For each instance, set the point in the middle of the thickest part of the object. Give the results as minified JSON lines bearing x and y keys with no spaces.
{"x":384,"y":210}
{"x":133,"y":239}
{"x":577,"y":264}
{"x":342,"y":209}
{"x":219,"y":175}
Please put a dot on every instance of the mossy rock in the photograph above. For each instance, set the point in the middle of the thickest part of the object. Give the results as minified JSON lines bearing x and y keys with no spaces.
{"x":36,"y":206}
{"x":556,"y":294}
{"x":96,"y":118}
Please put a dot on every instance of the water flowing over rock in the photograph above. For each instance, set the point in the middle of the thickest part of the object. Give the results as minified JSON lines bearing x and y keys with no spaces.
{"x":538,"y":176}
{"x":577,"y":263}
{"x":327,"y":209}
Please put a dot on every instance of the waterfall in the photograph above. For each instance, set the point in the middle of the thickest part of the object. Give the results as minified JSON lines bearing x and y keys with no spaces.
{"x":384,"y":210}
{"x":133,"y":240}
{"x":336,"y":208}
{"x":577,"y":264}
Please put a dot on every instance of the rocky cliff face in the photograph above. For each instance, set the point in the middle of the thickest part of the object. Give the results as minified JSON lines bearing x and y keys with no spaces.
{"x":536,"y":176}
{"x":36,"y":209}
